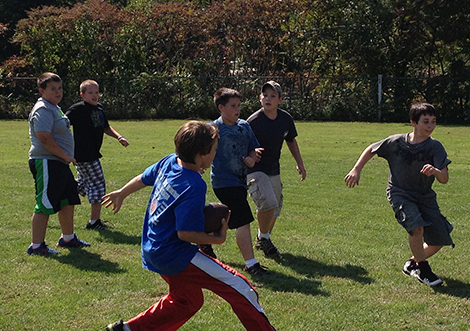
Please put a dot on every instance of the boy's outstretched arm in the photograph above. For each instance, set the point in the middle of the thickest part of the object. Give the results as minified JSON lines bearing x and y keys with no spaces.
{"x":442,"y":175}
{"x":110,"y":131}
{"x":295,"y":151}
{"x":116,"y":198}
{"x":352,"y":178}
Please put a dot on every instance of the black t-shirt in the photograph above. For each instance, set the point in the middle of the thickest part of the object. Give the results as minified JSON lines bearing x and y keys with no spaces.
{"x":271,"y":135}
{"x":88,"y":123}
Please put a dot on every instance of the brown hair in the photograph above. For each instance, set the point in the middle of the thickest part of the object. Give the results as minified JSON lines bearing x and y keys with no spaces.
{"x":194,"y":138}
{"x":87,"y":83}
{"x":223,"y":95}
{"x":421,"y":108}
{"x":47,"y":77}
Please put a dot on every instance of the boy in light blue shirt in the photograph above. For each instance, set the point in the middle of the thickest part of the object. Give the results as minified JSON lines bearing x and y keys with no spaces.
{"x":237,"y":150}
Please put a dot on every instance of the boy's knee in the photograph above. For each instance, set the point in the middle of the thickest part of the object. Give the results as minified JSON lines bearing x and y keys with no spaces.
{"x":417,"y":232}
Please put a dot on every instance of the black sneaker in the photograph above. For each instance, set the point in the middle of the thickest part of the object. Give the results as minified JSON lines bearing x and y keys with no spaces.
{"x":270,"y":251}
{"x":73,"y":243}
{"x":257,"y":270}
{"x":116,"y":326}
{"x":207,"y":249}
{"x":425,"y":274}
{"x":410,"y":267}
{"x":98,"y":225}
{"x":41,"y":250}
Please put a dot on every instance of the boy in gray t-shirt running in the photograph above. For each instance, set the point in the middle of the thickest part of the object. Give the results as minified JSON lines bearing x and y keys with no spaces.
{"x":415,"y":160}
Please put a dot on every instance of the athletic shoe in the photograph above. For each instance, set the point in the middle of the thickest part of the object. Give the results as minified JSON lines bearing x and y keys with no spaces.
{"x":98,"y":225}
{"x":270,"y":251}
{"x":207,"y":248}
{"x":410,"y":267}
{"x":75,"y":242}
{"x":41,"y":250}
{"x":257,"y":270}
{"x":116,"y":326}
{"x":425,"y":274}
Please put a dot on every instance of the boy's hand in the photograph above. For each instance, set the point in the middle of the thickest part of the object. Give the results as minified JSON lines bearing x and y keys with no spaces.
{"x":429,"y":170}
{"x":258,"y":152}
{"x":352,"y":178}
{"x":222,"y":233}
{"x":115,"y":199}
{"x":123,"y":141}
{"x":302,"y":172}
{"x":249,"y":162}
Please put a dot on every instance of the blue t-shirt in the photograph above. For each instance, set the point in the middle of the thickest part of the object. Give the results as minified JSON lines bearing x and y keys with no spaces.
{"x":235,"y":142}
{"x":176,"y":204}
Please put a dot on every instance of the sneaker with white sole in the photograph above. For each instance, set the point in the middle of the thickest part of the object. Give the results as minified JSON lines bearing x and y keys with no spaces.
{"x":117,"y":326}
{"x":98,"y":225}
{"x":410,"y":267}
{"x":426,"y":276}
{"x":73,"y":243}
{"x":267,"y":246}
{"x":257,"y":270}
{"x":41,"y":250}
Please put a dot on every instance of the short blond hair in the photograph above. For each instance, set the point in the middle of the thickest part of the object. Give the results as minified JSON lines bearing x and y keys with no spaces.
{"x":86,"y":83}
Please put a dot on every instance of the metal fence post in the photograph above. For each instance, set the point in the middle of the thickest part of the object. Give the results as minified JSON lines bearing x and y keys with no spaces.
{"x":379,"y":96}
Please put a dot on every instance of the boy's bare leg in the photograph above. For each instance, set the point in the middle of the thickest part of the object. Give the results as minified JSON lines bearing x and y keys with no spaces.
{"x":271,"y":225}
{"x":39,"y":226}
{"x":243,"y":235}
{"x":266,"y":220}
{"x":430,"y":250}
{"x":95,"y":211}
{"x":421,"y":251}
{"x":66,"y":219}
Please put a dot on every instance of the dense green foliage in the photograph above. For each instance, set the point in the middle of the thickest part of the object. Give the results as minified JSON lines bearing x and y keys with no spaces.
{"x":165,"y":59}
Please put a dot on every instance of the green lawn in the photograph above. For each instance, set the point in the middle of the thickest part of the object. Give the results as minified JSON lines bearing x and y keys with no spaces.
{"x":342,"y":250}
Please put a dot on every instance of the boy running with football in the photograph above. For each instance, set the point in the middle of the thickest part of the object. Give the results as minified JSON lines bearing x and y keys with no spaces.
{"x":173,"y":227}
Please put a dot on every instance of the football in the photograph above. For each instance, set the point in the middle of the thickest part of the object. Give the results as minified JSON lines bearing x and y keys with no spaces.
{"x":213,"y":214}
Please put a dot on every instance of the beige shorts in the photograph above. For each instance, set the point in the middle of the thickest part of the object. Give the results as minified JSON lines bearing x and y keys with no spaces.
{"x":266,"y":191}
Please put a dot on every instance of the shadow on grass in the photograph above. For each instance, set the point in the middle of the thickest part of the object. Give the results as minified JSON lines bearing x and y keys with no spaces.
{"x":454,"y":288}
{"x":308,"y":269}
{"x":82,"y":259}
{"x":116,"y":237}
{"x":313,"y":268}
{"x":279,"y":282}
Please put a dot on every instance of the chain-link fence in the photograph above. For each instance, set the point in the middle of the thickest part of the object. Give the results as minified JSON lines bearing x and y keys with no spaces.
{"x":372,"y":99}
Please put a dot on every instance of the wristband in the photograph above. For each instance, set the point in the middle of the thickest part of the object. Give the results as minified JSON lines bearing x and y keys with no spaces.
{"x":120,"y":137}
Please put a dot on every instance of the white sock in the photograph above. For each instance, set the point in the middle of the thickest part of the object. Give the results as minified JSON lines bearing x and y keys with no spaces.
{"x":251,"y":262}
{"x":92,"y":222}
{"x":263,"y":235}
{"x":35,"y":246}
{"x":126,"y":327}
{"x":68,"y":237}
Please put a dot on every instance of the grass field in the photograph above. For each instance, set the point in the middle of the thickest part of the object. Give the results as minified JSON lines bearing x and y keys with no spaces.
{"x":342,"y":250}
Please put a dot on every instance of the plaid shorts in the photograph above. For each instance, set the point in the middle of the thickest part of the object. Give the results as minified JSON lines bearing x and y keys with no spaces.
{"x":91,"y":181}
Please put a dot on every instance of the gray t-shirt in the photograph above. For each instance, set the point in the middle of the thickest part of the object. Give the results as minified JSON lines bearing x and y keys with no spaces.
{"x":406,"y":161}
{"x":48,"y":117}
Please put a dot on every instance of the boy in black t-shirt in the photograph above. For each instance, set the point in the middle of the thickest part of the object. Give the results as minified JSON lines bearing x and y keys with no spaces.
{"x":271,"y":126}
{"x":89,"y":125}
